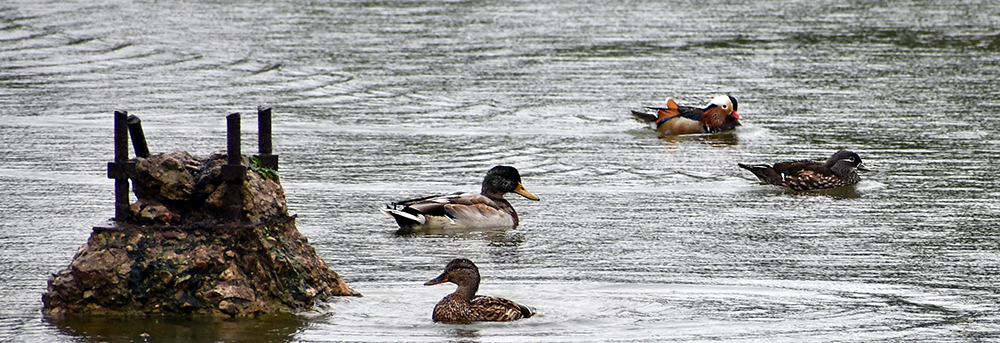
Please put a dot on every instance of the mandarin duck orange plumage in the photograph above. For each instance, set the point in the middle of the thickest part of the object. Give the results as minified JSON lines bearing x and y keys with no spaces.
{"x":718,"y":116}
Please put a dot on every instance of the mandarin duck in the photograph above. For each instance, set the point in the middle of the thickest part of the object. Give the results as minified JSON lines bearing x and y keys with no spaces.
{"x":839,"y":170}
{"x":718,"y":116}
{"x":464,"y":306}
{"x":463,"y":211}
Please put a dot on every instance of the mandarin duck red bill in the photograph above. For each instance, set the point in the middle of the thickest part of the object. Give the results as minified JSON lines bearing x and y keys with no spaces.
{"x":720,"y":115}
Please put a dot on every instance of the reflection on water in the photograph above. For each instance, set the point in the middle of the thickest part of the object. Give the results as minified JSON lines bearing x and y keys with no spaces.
{"x":713,"y":139}
{"x":498,"y":236}
{"x":269,"y":328}
{"x":465,"y":335}
{"x":848,"y":192}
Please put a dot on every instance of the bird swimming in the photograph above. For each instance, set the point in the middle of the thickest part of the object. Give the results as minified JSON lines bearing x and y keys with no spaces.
{"x":803,"y":175}
{"x":463,"y":211}
{"x":464,"y":306}
{"x":721,"y":114}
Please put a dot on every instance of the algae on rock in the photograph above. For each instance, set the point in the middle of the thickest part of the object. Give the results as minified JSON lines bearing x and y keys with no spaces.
{"x":184,"y":249}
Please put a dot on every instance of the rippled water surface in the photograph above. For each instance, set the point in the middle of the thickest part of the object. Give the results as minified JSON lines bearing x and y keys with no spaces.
{"x":637,"y":237}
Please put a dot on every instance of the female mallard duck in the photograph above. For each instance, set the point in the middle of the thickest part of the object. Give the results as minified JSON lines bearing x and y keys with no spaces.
{"x":464,"y":306}
{"x":720,"y":115}
{"x":485,"y":210}
{"x":839,"y":170}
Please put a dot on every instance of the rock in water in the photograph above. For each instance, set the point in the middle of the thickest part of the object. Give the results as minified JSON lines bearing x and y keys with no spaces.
{"x":177,"y":254}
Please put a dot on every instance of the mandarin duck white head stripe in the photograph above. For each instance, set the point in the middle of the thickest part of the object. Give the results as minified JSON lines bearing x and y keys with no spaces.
{"x":462,"y":211}
{"x":803,"y":175}
{"x":721,"y":114}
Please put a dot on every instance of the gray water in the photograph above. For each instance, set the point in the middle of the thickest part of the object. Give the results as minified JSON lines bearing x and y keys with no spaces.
{"x":636,"y":238}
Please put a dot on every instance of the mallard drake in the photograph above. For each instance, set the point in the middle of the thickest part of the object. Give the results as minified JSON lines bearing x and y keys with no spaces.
{"x":464,"y":306}
{"x":839,"y":170}
{"x":463,"y":211}
{"x":719,"y":115}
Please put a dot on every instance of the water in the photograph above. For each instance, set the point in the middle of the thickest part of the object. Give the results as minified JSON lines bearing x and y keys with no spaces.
{"x":637,"y":237}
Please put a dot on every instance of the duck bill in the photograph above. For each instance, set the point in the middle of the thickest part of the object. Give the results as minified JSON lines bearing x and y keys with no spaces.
{"x":862,"y":166}
{"x":440,"y":279}
{"x":736,"y":115}
{"x":524,"y":192}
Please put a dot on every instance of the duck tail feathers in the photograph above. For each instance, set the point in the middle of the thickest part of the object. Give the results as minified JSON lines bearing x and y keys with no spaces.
{"x":763,"y":172}
{"x":526,"y":312}
{"x":405,"y":218}
{"x":646,"y":117}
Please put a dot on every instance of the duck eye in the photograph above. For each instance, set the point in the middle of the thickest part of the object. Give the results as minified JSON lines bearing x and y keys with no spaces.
{"x":725,"y":106}
{"x":851,"y":159}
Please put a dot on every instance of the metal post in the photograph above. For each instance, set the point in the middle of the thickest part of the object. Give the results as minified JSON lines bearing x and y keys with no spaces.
{"x":233,"y":170}
{"x":264,"y":148}
{"x":121,"y":157}
{"x":138,"y":137}
{"x":234,"y":156}
{"x":264,"y":130}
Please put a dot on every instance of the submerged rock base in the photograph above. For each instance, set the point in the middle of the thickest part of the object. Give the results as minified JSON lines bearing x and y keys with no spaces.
{"x":163,"y":264}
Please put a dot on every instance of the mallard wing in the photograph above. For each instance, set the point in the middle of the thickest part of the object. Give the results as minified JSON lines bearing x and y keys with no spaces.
{"x":496,"y":309}
{"x":431,"y":205}
{"x":454,"y":210}
{"x":477,"y":210}
{"x":414,"y":211}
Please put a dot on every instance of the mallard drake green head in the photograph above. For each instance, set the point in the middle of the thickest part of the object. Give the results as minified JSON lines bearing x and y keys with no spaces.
{"x":803,"y":175}
{"x":502,"y":180}
{"x":464,"y":306}
{"x":462,"y":211}
{"x":721,"y":114}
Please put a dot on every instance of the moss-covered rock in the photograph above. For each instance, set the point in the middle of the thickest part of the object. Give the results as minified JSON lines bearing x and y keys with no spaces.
{"x":179,"y":255}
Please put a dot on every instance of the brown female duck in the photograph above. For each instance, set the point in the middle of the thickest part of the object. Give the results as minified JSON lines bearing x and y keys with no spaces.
{"x":720,"y":115}
{"x":839,"y":170}
{"x":484,"y":210}
{"x":464,"y":306}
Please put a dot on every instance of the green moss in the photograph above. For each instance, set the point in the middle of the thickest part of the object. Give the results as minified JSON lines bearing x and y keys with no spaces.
{"x":256,"y":166}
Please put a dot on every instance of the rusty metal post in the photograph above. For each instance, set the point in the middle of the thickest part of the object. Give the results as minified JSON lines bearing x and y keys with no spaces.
{"x":116,"y":169}
{"x":264,"y":130}
{"x":138,"y":137}
{"x":234,"y":156}
{"x":233,"y":170}
{"x":264,"y":148}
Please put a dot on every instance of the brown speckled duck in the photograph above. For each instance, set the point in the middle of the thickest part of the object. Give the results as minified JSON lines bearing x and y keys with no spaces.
{"x":464,"y":306}
{"x":456,"y":211}
{"x":720,"y":115}
{"x":840,"y":170}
